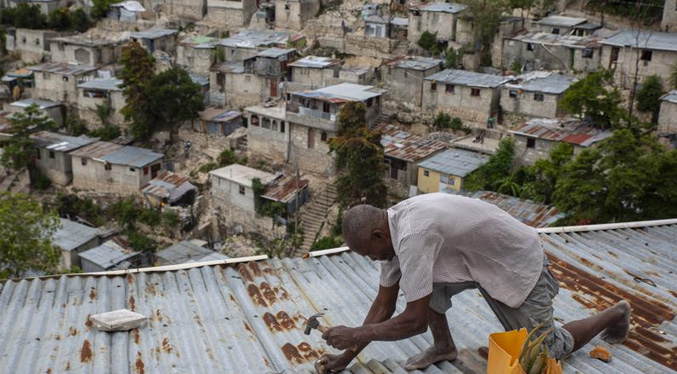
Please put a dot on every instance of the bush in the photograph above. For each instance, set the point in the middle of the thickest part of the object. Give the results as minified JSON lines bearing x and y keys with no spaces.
{"x":151,"y":217}
{"x":24,"y":16}
{"x":428,"y":41}
{"x":72,"y":205}
{"x":326,"y":242}
{"x":106,"y":133}
{"x":141,"y":242}
{"x":453,"y":59}
{"x":649,"y":97}
{"x":171,"y":220}
{"x":75,"y":126}
{"x":59,"y":19}
{"x":125,"y":211}
{"x":39,"y":180}
{"x":228,"y":157}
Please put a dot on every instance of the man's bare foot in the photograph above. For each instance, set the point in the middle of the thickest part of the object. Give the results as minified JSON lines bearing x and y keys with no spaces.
{"x":429,"y":357}
{"x":618,"y":332}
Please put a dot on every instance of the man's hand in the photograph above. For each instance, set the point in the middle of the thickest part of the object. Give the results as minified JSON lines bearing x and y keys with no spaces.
{"x":341,"y":337}
{"x":331,"y":363}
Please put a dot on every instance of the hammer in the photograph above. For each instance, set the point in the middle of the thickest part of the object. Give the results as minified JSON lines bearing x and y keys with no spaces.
{"x":313,"y":323}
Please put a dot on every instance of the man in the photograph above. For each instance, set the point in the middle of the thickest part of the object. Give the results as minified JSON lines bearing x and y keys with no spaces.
{"x":434,"y":246}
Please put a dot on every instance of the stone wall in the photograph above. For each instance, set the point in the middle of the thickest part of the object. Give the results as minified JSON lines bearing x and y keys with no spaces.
{"x":244,"y":90}
{"x":310,"y":150}
{"x":294,"y":14}
{"x":58,"y":169}
{"x":461,"y":103}
{"x":87,"y":108}
{"x":192,"y":10}
{"x":119,"y":179}
{"x":269,"y":142}
{"x":85,"y":55}
{"x":405,"y":85}
{"x":444,"y":24}
{"x":667,"y":118}
{"x":56,"y":87}
{"x":525,"y":103}
{"x":661,"y":64}
{"x":195,"y":60}
{"x":669,"y":22}
{"x":311,"y":78}
{"x":356,"y":44}
{"x":551,"y":57}
{"x":528,"y":156}
{"x":32,"y":44}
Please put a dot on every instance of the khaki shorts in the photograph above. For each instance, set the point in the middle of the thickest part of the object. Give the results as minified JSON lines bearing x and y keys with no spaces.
{"x":536,"y":309}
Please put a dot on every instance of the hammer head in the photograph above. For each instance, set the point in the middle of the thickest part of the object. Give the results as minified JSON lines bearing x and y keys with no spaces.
{"x":312,"y":323}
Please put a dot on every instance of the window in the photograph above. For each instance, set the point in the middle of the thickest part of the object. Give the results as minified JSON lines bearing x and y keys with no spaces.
{"x":241,"y":190}
{"x":37,"y":41}
{"x":23,"y":40}
{"x":450,"y":88}
{"x":255,"y":120}
{"x":530,"y":47}
{"x":286,"y":7}
{"x":107,"y":166}
{"x":451,"y":181}
{"x":433,"y":86}
{"x":83,"y":161}
{"x":370,"y":102}
{"x":145,"y":170}
{"x":426,"y":173}
{"x":538,"y":97}
{"x":475,"y":92}
{"x":336,"y":73}
{"x":37,"y":154}
{"x":64,"y":78}
{"x":406,"y":75}
{"x":132,"y":170}
{"x":646,"y":55}
{"x":588,"y":53}
{"x":323,"y":136}
{"x":265,"y":123}
{"x":281,"y":126}
{"x":555,"y":31}
{"x":614,"y":54}
{"x":531,"y":143}
{"x":274,"y":125}
{"x":512,"y":93}
{"x":51,"y":154}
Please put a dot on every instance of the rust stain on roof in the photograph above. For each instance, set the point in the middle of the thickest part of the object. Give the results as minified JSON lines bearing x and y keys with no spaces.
{"x":136,"y":335}
{"x":272,"y":322}
{"x":268,"y":293}
{"x":301,"y":353}
{"x":132,"y":303}
{"x":86,"y":352}
{"x":92,"y":294}
{"x":405,"y":146}
{"x":140,"y":366}
{"x":255,"y":295}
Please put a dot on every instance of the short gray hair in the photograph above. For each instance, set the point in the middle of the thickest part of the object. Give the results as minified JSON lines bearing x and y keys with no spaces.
{"x":360,"y":220}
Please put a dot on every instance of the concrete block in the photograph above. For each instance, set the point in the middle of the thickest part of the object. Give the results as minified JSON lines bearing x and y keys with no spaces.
{"x":118,"y":320}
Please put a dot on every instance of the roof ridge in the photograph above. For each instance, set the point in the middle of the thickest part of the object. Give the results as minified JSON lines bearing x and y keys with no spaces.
{"x":607,"y":226}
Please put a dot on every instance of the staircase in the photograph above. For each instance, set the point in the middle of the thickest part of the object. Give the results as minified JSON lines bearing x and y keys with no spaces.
{"x":315,"y":214}
{"x":401,"y":48}
{"x":383,"y":117}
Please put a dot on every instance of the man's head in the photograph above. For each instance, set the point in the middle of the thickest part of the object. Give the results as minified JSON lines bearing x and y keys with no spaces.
{"x":366,"y":231}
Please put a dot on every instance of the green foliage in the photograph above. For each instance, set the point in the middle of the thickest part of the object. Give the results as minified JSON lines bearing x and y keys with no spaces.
{"x":141,"y":242}
{"x":228,"y":157}
{"x":219,"y":55}
{"x":590,"y":98}
{"x":73,"y":206}
{"x":204,"y":169}
{"x":75,"y":126}
{"x":486,"y":18}
{"x":496,"y":172}
{"x":39,"y":180}
{"x":25,"y":237}
{"x":649,"y":97}
{"x":126,"y":211}
{"x":326,"y":242}
{"x":17,"y":149}
{"x":359,"y":159}
{"x":266,"y":207}
{"x":103,"y":113}
{"x":137,"y":73}
{"x":173,"y":97}
{"x":428,"y":41}
{"x":516,"y":66}
{"x":171,"y":220}
{"x":444,"y":121}
{"x":647,"y":11}
{"x":80,"y":22}
{"x":23,"y":16}
{"x":453,"y":59}
{"x":59,"y":19}
{"x":106,"y":133}
{"x":151,"y":217}
{"x":100,"y":8}
{"x":545,"y":173}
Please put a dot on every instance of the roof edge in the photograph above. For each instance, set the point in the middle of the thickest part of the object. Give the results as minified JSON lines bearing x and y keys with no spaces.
{"x":607,"y":226}
{"x":327,"y":252}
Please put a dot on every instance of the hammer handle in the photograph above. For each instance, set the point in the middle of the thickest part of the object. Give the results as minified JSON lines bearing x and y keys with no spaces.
{"x":322,"y":328}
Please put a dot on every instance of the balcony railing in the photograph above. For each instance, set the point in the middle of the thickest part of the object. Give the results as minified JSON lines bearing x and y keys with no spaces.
{"x":317,"y":114}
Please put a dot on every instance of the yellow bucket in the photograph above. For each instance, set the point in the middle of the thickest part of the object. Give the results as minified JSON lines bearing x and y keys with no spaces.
{"x":504,"y":352}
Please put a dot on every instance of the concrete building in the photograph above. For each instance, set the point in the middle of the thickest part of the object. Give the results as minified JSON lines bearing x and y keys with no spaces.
{"x":445,"y":171}
{"x":404,"y":77}
{"x":231,"y":86}
{"x":313,"y":116}
{"x":157,"y":39}
{"x":403,"y":152}
{"x":188,"y":10}
{"x":196,"y":54}
{"x":272,"y":66}
{"x":249,"y":43}
{"x":559,"y":25}
{"x":52,"y":109}
{"x":45,"y":6}
{"x":232,"y":186}
{"x":104,"y":92}
{"x":472,"y":97}
{"x":376,"y":26}
{"x":52,"y":154}
{"x":187,"y":251}
{"x":59,"y":81}
{"x":440,"y":18}
{"x":126,"y":11}
{"x":669,"y":21}
{"x":667,"y":117}
{"x":538,"y":50}
{"x":288,"y":191}
{"x":269,"y":133}
{"x":22,"y":78}
{"x":655,"y":51}
{"x":90,"y":49}
{"x":537,"y":137}
{"x":536,"y":94}
{"x":315,"y":72}
{"x":74,"y":238}
{"x":109,"y":256}
{"x":169,"y":189}
{"x":220,"y":122}
{"x":294,"y":14}
{"x":113,"y":168}
{"x":230,"y":13}
{"x":31,"y":45}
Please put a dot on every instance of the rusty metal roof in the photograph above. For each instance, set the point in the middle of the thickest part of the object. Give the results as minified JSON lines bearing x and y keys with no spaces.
{"x":567,"y":130}
{"x":405,"y":146}
{"x":283,"y":190}
{"x":248,"y":317}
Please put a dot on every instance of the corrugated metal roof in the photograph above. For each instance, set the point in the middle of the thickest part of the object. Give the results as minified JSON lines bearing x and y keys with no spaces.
{"x":468,"y":78}
{"x":569,"y":41}
{"x":248,"y":317}
{"x":200,"y":42}
{"x":71,"y":235}
{"x":405,"y":146}
{"x":107,"y":255}
{"x":567,"y":130}
{"x":130,"y":5}
{"x":458,"y":162}
{"x":443,"y":7}
{"x":284,"y":190}
{"x":59,"y":142}
{"x":199,"y":79}
{"x":275,"y":52}
{"x":153,"y":33}
{"x":376,"y":18}
{"x":242,"y":175}
{"x":42,"y":104}
{"x":670,"y":96}
{"x":96,"y":150}
{"x":219,"y":115}
{"x":644,"y":39}
{"x":345,"y":91}
{"x":169,"y":186}
{"x":104,"y":84}
{"x":562,"y":21}
{"x":526,"y":211}
{"x":258,"y":38}
{"x":399,"y":21}
{"x":415,"y":63}
{"x":542,"y":81}
{"x":317,"y":62}
{"x":132,"y":156}
{"x":186,"y":252}
{"x":236,"y":67}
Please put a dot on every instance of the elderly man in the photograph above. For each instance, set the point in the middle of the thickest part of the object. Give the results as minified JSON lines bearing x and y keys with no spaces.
{"x":436,"y":245}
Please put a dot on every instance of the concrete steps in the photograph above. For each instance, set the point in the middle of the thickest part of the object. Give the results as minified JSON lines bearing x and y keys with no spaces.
{"x":400,"y":49}
{"x":315,"y":214}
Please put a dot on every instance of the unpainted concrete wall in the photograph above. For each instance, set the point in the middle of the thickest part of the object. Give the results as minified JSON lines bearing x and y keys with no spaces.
{"x":461,"y":103}
{"x":525,"y":103}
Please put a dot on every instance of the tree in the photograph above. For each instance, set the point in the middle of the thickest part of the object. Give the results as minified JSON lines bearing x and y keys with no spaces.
{"x":359,"y":161}
{"x":649,"y":97}
{"x":24,"y":16}
{"x":173,"y":98}
{"x":80,"y":22}
{"x":453,"y":59}
{"x":137,"y":71}
{"x":546,"y":172}
{"x":100,"y":8}
{"x":103,"y":113}
{"x":428,"y":41}
{"x":25,"y":237}
{"x":589,"y":98}
{"x":59,"y":19}
{"x":486,"y":18}
{"x":496,"y":171}
{"x":17,"y":148}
